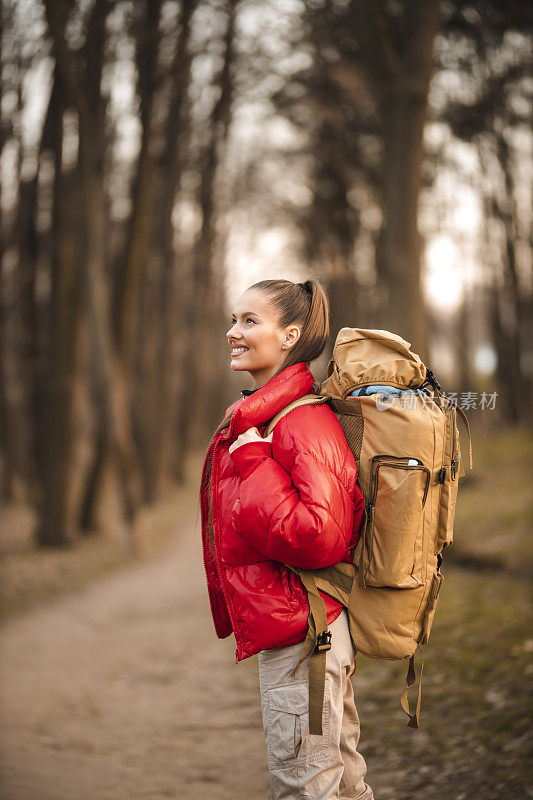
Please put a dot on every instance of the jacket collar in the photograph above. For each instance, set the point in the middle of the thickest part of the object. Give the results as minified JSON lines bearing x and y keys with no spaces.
{"x":259,"y":407}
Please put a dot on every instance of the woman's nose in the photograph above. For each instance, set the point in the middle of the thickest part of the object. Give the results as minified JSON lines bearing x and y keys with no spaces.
{"x":231,"y":333}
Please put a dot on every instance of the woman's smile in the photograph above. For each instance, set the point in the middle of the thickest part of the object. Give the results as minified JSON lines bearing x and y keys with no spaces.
{"x":238,"y":350}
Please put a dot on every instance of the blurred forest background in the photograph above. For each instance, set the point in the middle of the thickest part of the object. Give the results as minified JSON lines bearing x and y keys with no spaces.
{"x":158,"y":157}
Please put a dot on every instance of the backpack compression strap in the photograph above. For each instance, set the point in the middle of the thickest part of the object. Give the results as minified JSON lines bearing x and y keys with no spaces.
{"x":465,"y":420}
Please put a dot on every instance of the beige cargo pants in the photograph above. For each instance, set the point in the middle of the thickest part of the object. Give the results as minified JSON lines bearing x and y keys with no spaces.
{"x":303,"y":766}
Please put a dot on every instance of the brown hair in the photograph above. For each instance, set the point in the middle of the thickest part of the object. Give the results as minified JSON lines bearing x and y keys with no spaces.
{"x":304,"y":304}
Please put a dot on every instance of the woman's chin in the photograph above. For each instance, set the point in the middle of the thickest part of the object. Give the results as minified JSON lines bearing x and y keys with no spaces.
{"x":237,"y":365}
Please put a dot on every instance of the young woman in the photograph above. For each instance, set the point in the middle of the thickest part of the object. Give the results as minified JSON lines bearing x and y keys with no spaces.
{"x":291,"y":499}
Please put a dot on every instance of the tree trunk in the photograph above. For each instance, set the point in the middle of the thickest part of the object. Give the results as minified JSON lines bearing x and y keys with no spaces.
{"x":399,"y":57}
{"x":512,"y":326}
{"x":55,"y":525}
{"x":82,"y":79}
{"x":132,"y":270}
{"x":196,"y":312}
{"x":160,"y":366}
{"x":403,"y":110}
{"x":507,"y":377}
{"x":17,"y":315}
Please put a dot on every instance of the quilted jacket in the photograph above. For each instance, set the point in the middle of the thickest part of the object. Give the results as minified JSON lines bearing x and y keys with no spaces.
{"x":293,"y":501}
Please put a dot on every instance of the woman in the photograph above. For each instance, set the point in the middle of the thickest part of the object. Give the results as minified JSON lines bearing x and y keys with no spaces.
{"x":290,"y":498}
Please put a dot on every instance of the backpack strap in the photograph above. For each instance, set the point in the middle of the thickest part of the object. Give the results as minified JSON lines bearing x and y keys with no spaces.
{"x":305,"y":400}
{"x":414,"y":719}
{"x":316,"y":645}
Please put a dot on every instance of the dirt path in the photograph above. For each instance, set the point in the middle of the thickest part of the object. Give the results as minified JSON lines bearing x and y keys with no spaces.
{"x":124,"y":691}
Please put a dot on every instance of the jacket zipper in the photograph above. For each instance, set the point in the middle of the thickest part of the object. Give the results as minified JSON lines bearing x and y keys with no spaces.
{"x":208,"y":507}
{"x":216,"y":552}
{"x":207,"y":511}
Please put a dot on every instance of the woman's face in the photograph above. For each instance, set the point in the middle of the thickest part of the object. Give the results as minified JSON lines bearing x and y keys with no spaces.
{"x":255,"y":338}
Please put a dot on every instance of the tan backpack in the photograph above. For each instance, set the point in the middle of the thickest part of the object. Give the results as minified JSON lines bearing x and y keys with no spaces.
{"x":409,"y":464}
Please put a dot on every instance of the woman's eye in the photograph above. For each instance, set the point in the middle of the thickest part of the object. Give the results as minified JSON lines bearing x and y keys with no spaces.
{"x":250,"y":320}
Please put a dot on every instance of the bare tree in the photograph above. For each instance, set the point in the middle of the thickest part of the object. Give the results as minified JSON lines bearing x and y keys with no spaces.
{"x":167,"y":377}
{"x":82,"y":81}
{"x":397,"y":51}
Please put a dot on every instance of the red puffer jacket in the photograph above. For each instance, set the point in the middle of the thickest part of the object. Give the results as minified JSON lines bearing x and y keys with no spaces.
{"x":294,"y":501}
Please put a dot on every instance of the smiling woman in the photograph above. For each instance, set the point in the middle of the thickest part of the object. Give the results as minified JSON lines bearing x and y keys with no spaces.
{"x":288,"y":499}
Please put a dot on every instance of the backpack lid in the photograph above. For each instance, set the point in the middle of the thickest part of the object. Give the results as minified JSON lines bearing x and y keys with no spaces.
{"x":362,"y":357}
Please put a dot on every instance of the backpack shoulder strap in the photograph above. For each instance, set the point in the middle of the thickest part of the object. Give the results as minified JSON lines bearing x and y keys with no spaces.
{"x":305,"y":400}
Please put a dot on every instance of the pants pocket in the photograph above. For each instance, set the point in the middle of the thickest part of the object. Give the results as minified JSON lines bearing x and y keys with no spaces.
{"x":287,"y":732}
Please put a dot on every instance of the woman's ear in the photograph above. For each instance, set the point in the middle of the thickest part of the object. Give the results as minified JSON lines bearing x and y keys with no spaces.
{"x":292,"y":334}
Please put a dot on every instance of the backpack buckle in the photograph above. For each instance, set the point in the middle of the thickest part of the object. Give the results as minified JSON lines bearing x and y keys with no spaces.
{"x":323,"y":642}
{"x":431,"y":380}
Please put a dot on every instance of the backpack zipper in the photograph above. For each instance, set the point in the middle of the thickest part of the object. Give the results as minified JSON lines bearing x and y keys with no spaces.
{"x":372,"y":383}
{"x":392,"y":461}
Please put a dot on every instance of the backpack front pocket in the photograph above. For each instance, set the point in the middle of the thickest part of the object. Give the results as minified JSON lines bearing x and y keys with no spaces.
{"x":391,"y":545}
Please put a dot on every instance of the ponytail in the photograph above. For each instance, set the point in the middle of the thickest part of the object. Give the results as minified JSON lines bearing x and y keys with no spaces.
{"x":304,"y":304}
